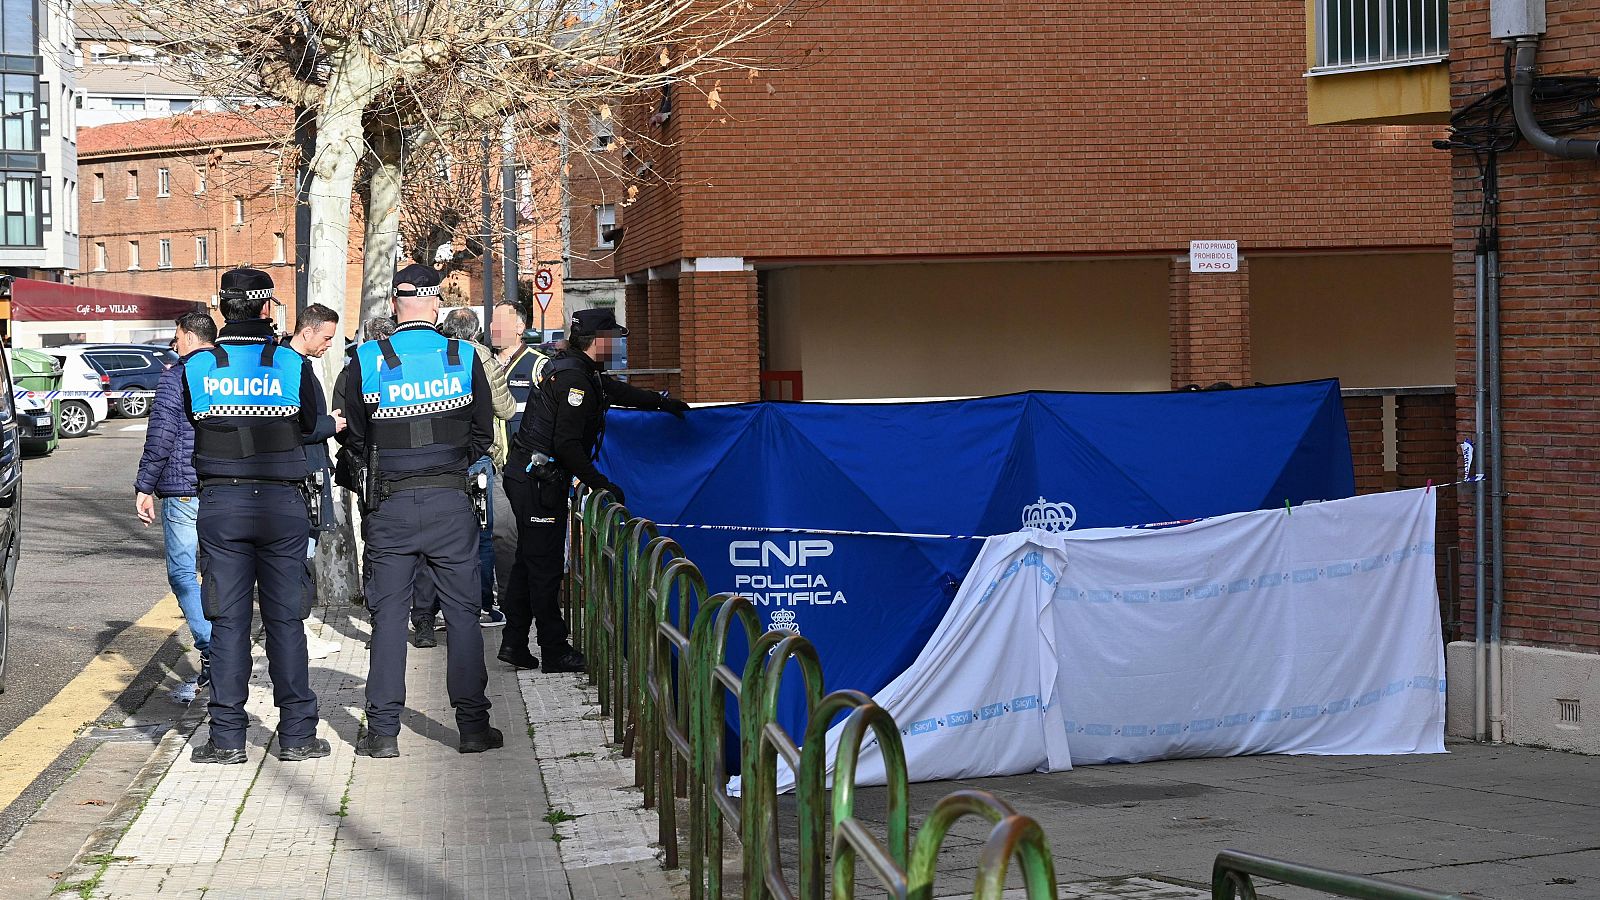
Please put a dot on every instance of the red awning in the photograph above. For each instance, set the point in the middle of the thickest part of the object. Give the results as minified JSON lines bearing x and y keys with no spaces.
{"x":47,"y":301}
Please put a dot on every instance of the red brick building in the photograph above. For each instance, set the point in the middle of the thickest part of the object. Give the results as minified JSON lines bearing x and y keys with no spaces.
{"x":946,"y":199}
{"x":1549,"y":262}
{"x":169,"y":204}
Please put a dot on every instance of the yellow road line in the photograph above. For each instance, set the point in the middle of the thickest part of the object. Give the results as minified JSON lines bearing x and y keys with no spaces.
{"x":35,"y":744}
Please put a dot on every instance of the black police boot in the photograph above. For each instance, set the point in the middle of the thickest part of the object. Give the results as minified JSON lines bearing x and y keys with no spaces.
{"x":563,"y":659}
{"x":211,"y":753}
{"x":317,"y":749}
{"x":517,"y":656}
{"x":479,"y":741}
{"x":422,"y":635}
{"x":377,"y":746}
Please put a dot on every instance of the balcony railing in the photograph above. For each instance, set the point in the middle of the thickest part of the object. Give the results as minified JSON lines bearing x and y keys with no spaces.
{"x":1374,"y":34}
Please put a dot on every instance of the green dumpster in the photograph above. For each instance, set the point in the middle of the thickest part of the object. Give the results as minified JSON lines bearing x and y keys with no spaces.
{"x":41,"y":418}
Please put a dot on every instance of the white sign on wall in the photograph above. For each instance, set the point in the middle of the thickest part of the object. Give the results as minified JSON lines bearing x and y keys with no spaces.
{"x":1213,"y":256}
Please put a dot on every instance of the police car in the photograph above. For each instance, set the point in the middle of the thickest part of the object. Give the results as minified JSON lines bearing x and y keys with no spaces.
{"x":10,"y":505}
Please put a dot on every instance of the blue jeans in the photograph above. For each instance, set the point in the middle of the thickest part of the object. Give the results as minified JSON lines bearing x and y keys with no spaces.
{"x":177,"y":526}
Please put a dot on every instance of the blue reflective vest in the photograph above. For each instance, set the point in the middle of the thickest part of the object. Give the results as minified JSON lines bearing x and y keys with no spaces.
{"x":244,"y":399}
{"x":418,"y":385}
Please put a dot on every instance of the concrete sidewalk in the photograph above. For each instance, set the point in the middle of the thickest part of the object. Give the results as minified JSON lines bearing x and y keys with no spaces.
{"x":433,"y":823}
{"x":554,"y":814}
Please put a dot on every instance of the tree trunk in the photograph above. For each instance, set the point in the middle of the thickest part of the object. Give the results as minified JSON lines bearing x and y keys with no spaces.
{"x":355,"y":81}
{"x":385,"y":164}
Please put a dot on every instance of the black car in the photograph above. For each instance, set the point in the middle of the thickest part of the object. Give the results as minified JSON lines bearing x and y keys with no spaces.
{"x":131,"y":367}
{"x":10,"y":506}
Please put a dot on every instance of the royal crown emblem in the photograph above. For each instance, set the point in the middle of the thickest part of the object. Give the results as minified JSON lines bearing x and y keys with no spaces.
{"x":1051,"y":517}
{"x":783,"y":620}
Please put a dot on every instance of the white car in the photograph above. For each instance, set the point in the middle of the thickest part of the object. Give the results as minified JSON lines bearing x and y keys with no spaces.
{"x":80,"y":414}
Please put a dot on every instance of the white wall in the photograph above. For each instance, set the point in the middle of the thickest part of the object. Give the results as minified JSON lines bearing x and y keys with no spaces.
{"x":960,"y":329}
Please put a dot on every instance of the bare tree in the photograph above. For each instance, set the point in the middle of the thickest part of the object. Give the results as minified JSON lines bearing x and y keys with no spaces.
{"x":372,"y":71}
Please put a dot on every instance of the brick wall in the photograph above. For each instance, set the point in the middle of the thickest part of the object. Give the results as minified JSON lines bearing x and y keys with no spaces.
{"x":263,"y":239}
{"x":1550,"y":296}
{"x":719,"y":336}
{"x":1210,"y":325}
{"x":1364,"y":417}
{"x":1423,"y":441}
{"x":909,"y":127}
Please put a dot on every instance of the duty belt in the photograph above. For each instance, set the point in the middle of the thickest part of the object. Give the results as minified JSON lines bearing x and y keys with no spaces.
{"x":415,"y":482}
{"x":213,"y":480}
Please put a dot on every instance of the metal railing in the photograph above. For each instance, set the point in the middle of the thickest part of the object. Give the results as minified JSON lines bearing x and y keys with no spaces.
{"x":657,"y":643}
{"x":1232,"y":872}
{"x":1362,"y":34}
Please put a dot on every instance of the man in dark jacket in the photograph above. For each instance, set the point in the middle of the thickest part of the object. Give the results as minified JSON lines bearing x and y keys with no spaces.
{"x":166,"y":472}
{"x":556,"y":442}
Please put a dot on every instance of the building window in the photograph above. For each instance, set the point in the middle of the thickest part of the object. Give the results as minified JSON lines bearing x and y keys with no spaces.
{"x":18,"y":28}
{"x":46,"y":205}
{"x":128,"y":104}
{"x":202,"y":252}
{"x":179,"y":106}
{"x":133,"y":255}
{"x":166,"y":254}
{"x":605,"y":219}
{"x":600,"y":134}
{"x":99,"y":187}
{"x":200,"y":180}
{"x":21,"y":130}
{"x":278,"y":248}
{"x":99,"y":256}
{"x":133,"y":184}
{"x":238,"y":210}
{"x":21,"y":209}
{"x":1355,"y":34}
{"x":44,"y":108}
{"x":163,"y":182}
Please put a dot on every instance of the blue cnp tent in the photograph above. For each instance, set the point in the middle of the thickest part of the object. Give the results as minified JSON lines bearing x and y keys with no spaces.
{"x":925,"y":478}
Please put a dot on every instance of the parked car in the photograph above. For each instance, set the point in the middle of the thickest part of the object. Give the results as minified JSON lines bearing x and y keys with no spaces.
{"x":32,"y":370}
{"x":10,"y":506}
{"x":79,"y":415}
{"x":131,"y":367}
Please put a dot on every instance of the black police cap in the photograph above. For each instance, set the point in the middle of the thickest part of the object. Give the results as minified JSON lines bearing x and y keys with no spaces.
{"x":245,"y":283}
{"x":594,"y":321}
{"x":423,"y":280}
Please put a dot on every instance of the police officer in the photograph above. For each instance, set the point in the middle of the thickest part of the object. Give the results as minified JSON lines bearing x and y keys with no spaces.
{"x":253,"y":404}
{"x":559,"y":439}
{"x":425,"y":414}
{"x":522,"y":362}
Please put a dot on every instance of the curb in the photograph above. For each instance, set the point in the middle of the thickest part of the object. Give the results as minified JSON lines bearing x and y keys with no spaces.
{"x":105,"y":836}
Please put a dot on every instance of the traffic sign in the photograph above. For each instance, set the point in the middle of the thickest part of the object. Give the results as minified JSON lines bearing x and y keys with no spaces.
{"x":543,"y":280}
{"x":544,"y":300}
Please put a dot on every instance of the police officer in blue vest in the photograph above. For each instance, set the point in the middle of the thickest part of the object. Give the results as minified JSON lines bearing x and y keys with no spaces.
{"x":253,"y":404}
{"x":426,"y":414}
{"x":558,"y":440}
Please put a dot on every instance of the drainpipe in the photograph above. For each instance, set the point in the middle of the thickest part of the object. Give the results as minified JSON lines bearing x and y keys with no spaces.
{"x":1524,"y":73}
{"x":1496,"y":481}
{"x":1480,"y":565}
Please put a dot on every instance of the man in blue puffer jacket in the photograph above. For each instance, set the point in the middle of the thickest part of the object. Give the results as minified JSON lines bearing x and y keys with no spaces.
{"x":166,"y":471}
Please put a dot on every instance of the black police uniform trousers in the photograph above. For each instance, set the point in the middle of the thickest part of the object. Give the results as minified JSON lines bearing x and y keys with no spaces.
{"x":533,"y":596}
{"x":436,"y":527}
{"x":254,"y":536}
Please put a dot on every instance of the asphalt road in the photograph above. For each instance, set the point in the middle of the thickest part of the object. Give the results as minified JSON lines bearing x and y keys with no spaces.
{"x":89,"y":569}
